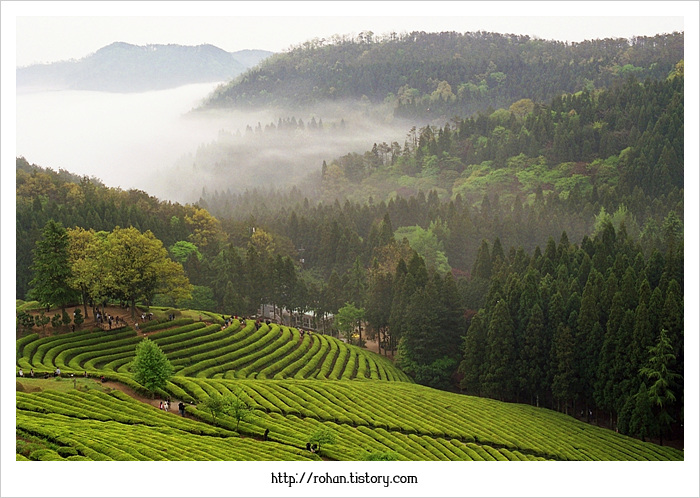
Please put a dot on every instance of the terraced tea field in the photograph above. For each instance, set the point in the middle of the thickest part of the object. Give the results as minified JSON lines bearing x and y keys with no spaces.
{"x":198,"y":349}
{"x":294,"y":386}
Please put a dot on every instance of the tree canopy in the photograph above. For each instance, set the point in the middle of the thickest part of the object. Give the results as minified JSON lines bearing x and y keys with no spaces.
{"x":151,"y":367}
{"x":51,"y":267}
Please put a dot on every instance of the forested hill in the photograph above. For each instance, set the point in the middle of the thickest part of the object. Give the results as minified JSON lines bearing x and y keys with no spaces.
{"x":122,"y":67}
{"x":74,"y":201}
{"x":446,"y":74}
{"x":522,"y":175}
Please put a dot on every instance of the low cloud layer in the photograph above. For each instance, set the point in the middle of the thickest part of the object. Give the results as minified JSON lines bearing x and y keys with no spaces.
{"x":152,"y":142}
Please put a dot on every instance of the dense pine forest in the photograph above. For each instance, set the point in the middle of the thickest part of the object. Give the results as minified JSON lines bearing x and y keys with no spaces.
{"x":532,"y":253}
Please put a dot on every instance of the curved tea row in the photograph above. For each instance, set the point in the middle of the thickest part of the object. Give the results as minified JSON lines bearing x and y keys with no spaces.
{"x":197,"y":349}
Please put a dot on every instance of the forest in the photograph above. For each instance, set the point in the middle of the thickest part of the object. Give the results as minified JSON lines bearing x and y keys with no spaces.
{"x":441,"y":75}
{"x":532,"y":253}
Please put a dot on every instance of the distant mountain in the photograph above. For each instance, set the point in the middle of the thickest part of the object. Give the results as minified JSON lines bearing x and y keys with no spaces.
{"x":122,"y":67}
{"x":446,"y":74}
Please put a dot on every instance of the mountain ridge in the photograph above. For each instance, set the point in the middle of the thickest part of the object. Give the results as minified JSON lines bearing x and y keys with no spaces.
{"x":123,"y":67}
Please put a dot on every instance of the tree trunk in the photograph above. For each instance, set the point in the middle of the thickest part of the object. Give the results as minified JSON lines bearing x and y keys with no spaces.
{"x":85,"y":300}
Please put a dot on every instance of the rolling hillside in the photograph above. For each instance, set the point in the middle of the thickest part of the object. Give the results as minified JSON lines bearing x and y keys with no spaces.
{"x":445,"y":74}
{"x":293,"y":387}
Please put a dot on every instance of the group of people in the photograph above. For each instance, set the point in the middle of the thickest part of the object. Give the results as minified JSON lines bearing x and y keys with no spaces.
{"x":165,"y":406}
{"x":259,"y":322}
{"x":99,"y":318}
{"x":148,"y":316}
{"x":21,"y":373}
{"x":228,"y":321}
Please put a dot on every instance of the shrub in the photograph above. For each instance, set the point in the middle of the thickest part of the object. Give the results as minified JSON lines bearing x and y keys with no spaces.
{"x":66,"y":451}
{"x":25,"y":320}
{"x":379,"y":456}
{"x":78,"y":317}
{"x":42,"y":320}
{"x":44,"y":454}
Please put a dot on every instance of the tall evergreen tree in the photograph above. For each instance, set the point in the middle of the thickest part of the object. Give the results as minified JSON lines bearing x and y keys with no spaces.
{"x":474,"y":361}
{"x":563,"y":381}
{"x":589,"y":337}
{"x":535,"y":353}
{"x":378,"y":304}
{"x":500,"y":380}
{"x":665,"y":382}
{"x":51,"y":266}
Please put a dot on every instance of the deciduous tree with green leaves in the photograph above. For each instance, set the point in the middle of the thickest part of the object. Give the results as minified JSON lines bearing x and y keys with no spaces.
{"x":139,"y":268}
{"x":347,"y":319}
{"x":151,"y":367}
{"x":84,"y":252}
{"x":236,"y":407}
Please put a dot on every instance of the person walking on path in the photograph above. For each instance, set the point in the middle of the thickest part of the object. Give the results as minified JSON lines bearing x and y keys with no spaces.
{"x":181,"y":407}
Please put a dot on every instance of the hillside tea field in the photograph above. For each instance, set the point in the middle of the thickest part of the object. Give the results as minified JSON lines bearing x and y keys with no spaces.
{"x":294,"y":386}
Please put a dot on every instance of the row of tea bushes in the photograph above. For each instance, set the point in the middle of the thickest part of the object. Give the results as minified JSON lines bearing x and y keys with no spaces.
{"x":513,"y":431}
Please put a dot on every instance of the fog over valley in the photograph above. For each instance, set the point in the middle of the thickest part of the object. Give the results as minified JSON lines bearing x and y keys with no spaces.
{"x":119,"y":138}
{"x":152,"y":141}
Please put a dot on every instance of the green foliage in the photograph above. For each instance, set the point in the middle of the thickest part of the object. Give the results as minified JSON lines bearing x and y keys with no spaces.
{"x":202,"y":298}
{"x":78,"y":317}
{"x":437,"y":374}
{"x":182,"y":250}
{"x":27,"y":305}
{"x":440,"y":75}
{"x":42,"y":320}
{"x":51,"y":268}
{"x":322,"y":436}
{"x":347,"y":319}
{"x":664,"y":381}
{"x":25,"y":320}
{"x":216,"y":405}
{"x":140,"y":268}
{"x":237,"y":408}
{"x":151,"y":367}
{"x":65,"y":318}
{"x":379,"y":456}
{"x":427,"y":244}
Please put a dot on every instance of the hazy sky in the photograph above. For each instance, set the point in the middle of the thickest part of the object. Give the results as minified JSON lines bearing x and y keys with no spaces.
{"x":46,"y":32}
